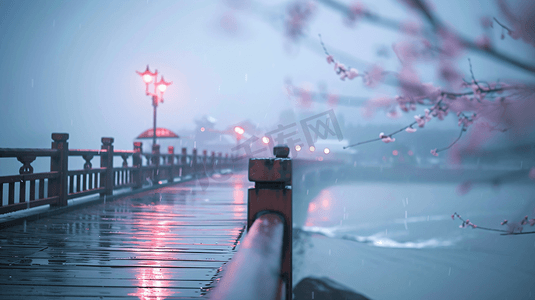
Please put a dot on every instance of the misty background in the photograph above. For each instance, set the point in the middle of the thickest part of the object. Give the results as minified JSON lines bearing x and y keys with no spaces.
{"x":69,"y":66}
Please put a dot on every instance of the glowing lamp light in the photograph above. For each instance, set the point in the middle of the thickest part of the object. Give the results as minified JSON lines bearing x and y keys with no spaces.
{"x":395,"y":152}
{"x":162,"y":85}
{"x":202,"y":129}
{"x":312,"y":148}
{"x":265,"y":140}
{"x":239,"y":130}
{"x":297,"y":148}
{"x":147,"y":75}
{"x":326,"y":151}
{"x":147,"y":78}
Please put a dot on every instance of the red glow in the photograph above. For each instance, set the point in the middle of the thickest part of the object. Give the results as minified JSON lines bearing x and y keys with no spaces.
{"x":162,"y":85}
{"x":410,"y":152}
{"x":311,"y":207}
{"x":202,"y":129}
{"x":395,"y":152}
{"x":147,"y":78}
{"x":239,"y":130}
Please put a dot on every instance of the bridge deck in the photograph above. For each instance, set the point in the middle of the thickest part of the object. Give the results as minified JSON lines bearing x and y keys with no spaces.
{"x":161,"y":244}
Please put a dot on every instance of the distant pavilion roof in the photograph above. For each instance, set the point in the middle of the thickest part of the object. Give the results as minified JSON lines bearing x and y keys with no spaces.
{"x":161,"y":133}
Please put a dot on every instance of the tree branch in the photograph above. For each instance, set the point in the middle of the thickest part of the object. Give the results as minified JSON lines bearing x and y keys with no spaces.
{"x":396,"y":25}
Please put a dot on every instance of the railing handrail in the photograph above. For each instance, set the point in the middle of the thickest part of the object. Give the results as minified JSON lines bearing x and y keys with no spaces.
{"x":18,"y":152}
{"x":60,"y":184}
{"x":262,"y":267}
{"x":254,"y":270}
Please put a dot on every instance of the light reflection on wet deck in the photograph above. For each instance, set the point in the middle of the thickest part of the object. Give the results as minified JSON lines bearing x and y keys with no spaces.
{"x":162,"y":244}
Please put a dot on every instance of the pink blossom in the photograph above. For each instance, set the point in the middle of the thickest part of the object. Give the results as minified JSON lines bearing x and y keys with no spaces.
{"x":464,"y":188}
{"x":450,"y":44}
{"x":531,"y":222}
{"x":453,"y":217}
{"x":374,"y":104}
{"x":514,"y":227}
{"x":449,"y":73}
{"x":332,"y":99}
{"x":420,"y":120}
{"x":339,"y":67}
{"x":356,"y":10}
{"x":410,"y":129}
{"x":352,"y":73}
{"x":522,"y":22}
{"x":486,"y":22}
{"x":330,"y":59}
{"x":299,"y":14}
{"x":532,"y":173}
{"x":392,"y":114}
{"x":411,"y":27}
{"x":483,"y":42}
{"x":427,"y":116}
{"x":386,"y":138}
{"x":524,"y":221}
{"x":343,"y":75}
{"x":434,"y":152}
{"x":504,"y":222}
{"x":374,"y":76}
{"x":406,"y":52}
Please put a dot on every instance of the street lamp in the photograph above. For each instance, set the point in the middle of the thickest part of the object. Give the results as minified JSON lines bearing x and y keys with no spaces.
{"x":157,"y":96}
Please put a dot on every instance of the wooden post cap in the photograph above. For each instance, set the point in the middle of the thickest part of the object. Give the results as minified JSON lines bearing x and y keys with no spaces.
{"x":60,"y":137}
{"x":281,"y":151}
{"x":107,"y":140}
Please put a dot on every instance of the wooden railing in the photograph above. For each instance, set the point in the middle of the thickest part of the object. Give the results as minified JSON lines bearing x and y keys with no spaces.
{"x":262,"y":267}
{"x":60,"y":184}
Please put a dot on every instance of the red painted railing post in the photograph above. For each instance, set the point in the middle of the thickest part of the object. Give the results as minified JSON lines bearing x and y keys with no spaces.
{"x":137,"y":163}
{"x":193,"y":163}
{"x":106,"y":161}
{"x":59,"y":163}
{"x":204,"y":159}
{"x":262,"y":267}
{"x":171,"y":161}
{"x":156,"y":162}
{"x":212,"y":162}
{"x":183,"y":162}
{"x":273,"y":194}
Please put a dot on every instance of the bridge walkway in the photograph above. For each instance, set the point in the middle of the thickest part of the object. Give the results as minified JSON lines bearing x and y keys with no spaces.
{"x":168,"y":243}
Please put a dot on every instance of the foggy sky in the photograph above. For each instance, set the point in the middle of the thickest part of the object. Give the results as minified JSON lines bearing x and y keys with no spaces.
{"x":69,"y":66}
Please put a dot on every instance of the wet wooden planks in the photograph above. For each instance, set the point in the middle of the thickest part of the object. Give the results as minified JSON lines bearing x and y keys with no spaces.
{"x":163,"y":244}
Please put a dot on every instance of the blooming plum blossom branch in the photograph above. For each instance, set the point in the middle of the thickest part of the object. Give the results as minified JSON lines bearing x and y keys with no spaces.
{"x":438,"y":27}
{"x":513,"y":228}
{"x":443,"y":102}
{"x":299,"y":14}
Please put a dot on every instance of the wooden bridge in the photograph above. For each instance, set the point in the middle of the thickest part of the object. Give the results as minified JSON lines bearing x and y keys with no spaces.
{"x":167,"y":236}
{"x":163,"y":229}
